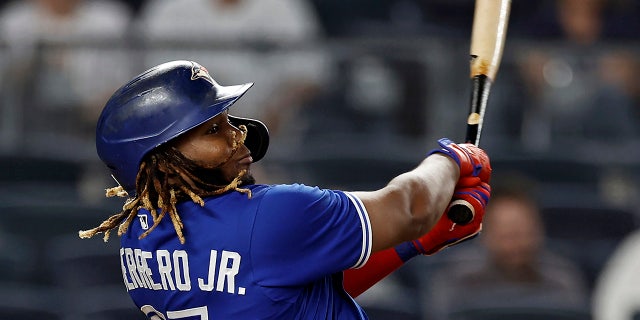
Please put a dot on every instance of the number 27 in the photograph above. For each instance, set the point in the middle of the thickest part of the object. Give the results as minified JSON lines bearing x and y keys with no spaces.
{"x":154,"y":314}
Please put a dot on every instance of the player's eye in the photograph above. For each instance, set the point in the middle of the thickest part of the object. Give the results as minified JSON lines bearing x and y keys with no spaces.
{"x":213,"y":129}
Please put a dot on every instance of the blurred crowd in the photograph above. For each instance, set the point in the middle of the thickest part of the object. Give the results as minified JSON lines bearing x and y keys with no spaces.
{"x":352,"y":91}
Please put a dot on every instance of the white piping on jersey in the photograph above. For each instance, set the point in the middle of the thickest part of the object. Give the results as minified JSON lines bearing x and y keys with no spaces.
{"x":366,"y":231}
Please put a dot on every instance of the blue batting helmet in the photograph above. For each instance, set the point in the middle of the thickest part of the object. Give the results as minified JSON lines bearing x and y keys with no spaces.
{"x":159,"y":105}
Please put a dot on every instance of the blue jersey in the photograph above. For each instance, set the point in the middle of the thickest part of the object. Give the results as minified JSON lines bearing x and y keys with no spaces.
{"x":278,"y":255}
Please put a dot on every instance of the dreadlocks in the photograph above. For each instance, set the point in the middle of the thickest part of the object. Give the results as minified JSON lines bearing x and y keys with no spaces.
{"x":166,"y":177}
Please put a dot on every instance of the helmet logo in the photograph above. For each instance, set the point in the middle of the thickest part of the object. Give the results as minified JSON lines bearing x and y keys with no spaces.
{"x":200,"y":72}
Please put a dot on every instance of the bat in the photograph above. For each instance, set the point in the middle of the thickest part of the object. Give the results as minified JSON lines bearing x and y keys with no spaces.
{"x":488,"y":35}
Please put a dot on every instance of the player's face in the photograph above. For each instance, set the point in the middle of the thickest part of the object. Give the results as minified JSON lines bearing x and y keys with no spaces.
{"x":211,"y":145}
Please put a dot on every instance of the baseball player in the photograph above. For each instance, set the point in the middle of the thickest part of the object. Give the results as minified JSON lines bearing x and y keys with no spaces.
{"x":201,"y":240}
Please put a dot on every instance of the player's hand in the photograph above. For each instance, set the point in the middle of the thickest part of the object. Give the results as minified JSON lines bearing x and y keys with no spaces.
{"x":446,"y":233}
{"x":474,"y":163}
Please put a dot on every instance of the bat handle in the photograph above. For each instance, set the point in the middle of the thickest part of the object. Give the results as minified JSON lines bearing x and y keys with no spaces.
{"x":460,"y":212}
{"x":480,"y":89}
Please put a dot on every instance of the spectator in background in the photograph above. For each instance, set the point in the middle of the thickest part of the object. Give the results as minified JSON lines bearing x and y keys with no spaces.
{"x":270,"y":42}
{"x":619,"y":70}
{"x":571,"y":93}
{"x":511,"y":267}
{"x":63,"y":63}
{"x":617,"y":292}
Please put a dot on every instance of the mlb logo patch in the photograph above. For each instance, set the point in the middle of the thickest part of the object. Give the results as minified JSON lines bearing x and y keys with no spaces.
{"x":144,"y":221}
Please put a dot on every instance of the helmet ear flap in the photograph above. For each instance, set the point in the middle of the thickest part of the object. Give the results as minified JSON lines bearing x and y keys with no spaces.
{"x":257,"y":136}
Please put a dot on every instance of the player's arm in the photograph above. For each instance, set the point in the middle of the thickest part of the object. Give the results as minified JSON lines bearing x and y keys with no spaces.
{"x":471,"y":185}
{"x":412,"y":203}
{"x":443,"y":235}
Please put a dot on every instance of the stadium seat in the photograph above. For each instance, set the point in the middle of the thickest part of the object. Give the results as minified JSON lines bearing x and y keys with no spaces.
{"x":40,"y":223}
{"x":18,"y":258}
{"x":27,"y":302}
{"x":350,"y":162}
{"x":102,"y":303}
{"x":537,"y":313}
{"x":549,"y":169}
{"x":381,"y":313}
{"x":587,"y":235}
{"x":76,"y":263}
{"x":31,"y":168}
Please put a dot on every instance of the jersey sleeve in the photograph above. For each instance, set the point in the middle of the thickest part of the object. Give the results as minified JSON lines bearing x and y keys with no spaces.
{"x":302,"y":233}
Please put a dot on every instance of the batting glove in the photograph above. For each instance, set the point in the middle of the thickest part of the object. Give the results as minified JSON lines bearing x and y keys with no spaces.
{"x":473,"y":162}
{"x":446,"y":233}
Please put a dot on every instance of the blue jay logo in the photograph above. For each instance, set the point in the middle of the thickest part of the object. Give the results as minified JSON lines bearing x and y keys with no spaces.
{"x":200,"y":72}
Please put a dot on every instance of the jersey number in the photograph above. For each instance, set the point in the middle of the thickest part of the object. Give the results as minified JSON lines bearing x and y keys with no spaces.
{"x":154,"y":314}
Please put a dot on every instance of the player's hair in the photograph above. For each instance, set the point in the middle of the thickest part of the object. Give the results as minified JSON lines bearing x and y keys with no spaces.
{"x":166,"y":177}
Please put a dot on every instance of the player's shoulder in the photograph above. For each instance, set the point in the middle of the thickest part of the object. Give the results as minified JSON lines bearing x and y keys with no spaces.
{"x":290,"y":189}
{"x":293,"y":192}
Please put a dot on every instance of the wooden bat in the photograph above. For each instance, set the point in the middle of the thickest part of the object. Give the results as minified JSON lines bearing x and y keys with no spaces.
{"x":488,"y":34}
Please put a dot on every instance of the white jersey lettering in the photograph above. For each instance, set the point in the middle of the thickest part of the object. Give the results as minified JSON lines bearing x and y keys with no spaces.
{"x":164,"y":269}
{"x":211,"y":274}
{"x":229,"y":267}
{"x":129,"y":285}
{"x":181,"y":270}
{"x":143,"y":268}
{"x":171,"y":270}
{"x":131,"y":267}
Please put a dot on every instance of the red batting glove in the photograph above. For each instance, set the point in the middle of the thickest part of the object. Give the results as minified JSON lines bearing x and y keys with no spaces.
{"x":473,"y":162}
{"x":446,"y":233}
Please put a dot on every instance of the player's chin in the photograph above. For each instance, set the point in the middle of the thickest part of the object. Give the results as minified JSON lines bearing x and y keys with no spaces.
{"x":247,"y":179}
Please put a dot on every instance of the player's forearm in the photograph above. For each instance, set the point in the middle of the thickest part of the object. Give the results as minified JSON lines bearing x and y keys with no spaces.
{"x":428,"y":188}
{"x":411,"y":203}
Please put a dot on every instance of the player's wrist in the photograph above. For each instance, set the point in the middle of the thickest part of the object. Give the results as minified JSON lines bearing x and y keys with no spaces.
{"x":460,"y":155}
{"x":407,"y":250}
{"x":471,"y":160}
{"x":446,"y":163}
{"x":446,"y":150}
